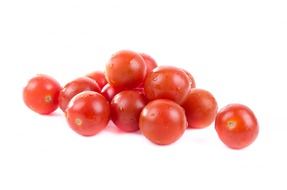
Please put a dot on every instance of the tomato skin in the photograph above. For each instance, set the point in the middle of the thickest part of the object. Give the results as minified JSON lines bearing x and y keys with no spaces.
{"x":41,"y":94}
{"x":126,"y":107}
{"x":236,"y":126}
{"x":88,"y":113}
{"x":109,"y":92}
{"x":125,"y":70}
{"x":193,"y":84}
{"x":167,"y":82}
{"x":150,"y":62}
{"x":75,"y":87}
{"x":99,"y":77}
{"x":162,"y":121}
{"x":200,"y":107}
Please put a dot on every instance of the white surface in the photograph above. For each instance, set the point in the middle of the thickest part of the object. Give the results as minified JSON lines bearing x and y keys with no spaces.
{"x":235,"y":49}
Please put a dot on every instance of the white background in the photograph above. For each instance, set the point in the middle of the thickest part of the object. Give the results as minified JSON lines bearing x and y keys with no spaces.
{"x":235,"y":49}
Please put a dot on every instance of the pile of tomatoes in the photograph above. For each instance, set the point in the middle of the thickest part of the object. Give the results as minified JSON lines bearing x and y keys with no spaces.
{"x":137,"y":94}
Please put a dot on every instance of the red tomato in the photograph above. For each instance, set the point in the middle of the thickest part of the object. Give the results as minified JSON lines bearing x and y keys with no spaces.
{"x":150,"y":62}
{"x":168,"y":83}
{"x":236,"y":126}
{"x":41,"y":94}
{"x":200,"y":108}
{"x":125,"y":70}
{"x":88,"y":113}
{"x":140,"y":89}
{"x":109,"y":92}
{"x":193,"y":85}
{"x":126,"y":107}
{"x":75,"y":87}
{"x":99,"y":77}
{"x":162,"y":121}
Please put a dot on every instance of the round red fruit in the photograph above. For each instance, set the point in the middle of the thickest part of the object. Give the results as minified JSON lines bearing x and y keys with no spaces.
{"x":126,"y":107}
{"x":192,"y":84}
{"x":126,"y":70}
{"x":109,"y":92}
{"x":162,"y":121}
{"x":88,"y":113}
{"x":200,"y":108}
{"x":41,"y":94}
{"x":99,"y":77}
{"x":150,"y":62}
{"x":75,"y":87}
{"x":236,"y":126}
{"x":167,"y":82}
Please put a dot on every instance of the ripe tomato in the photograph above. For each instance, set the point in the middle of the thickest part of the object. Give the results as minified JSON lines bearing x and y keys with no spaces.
{"x":126,"y":107}
{"x":162,"y":121}
{"x":125,"y":70}
{"x":109,"y":92}
{"x":200,"y":108}
{"x":99,"y":77}
{"x":236,"y":126}
{"x":41,"y":94}
{"x":168,"y":83}
{"x":75,"y":87}
{"x":88,"y":113}
{"x":150,"y":62}
{"x":193,"y":85}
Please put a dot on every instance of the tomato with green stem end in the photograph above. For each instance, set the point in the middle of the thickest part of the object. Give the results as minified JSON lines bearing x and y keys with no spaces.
{"x":41,"y":94}
{"x":236,"y":126}
{"x":88,"y":113}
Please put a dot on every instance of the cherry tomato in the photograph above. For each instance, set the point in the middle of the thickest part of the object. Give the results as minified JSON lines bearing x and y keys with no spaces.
{"x":168,"y":83}
{"x":236,"y":126}
{"x":88,"y":113}
{"x":150,"y":62}
{"x":162,"y":121}
{"x":126,"y":107}
{"x":99,"y":77}
{"x":193,"y":85}
{"x":126,"y":70}
{"x":200,"y":108}
{"x":41,"y":94}
{"x":109,"y":92}
{"x":75,"y":87}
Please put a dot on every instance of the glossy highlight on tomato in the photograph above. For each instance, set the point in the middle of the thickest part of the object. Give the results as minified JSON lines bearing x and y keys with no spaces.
{"x":162,"y":121}
{"x":167,"y":82}
{"x":150,"y":62}
{"x":88,"y":113}
{"x":134,"y":93}
{"x":75,"y":87}
{"x":126,"y":107}
{"x":236,"y":126}
{"x":200,"y":107}
{"x":126,"y":70}
{"x":192,"y":81}
{"x":109,"y":92}
{"x":41,"y":94}
{"x":99,"y":77}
